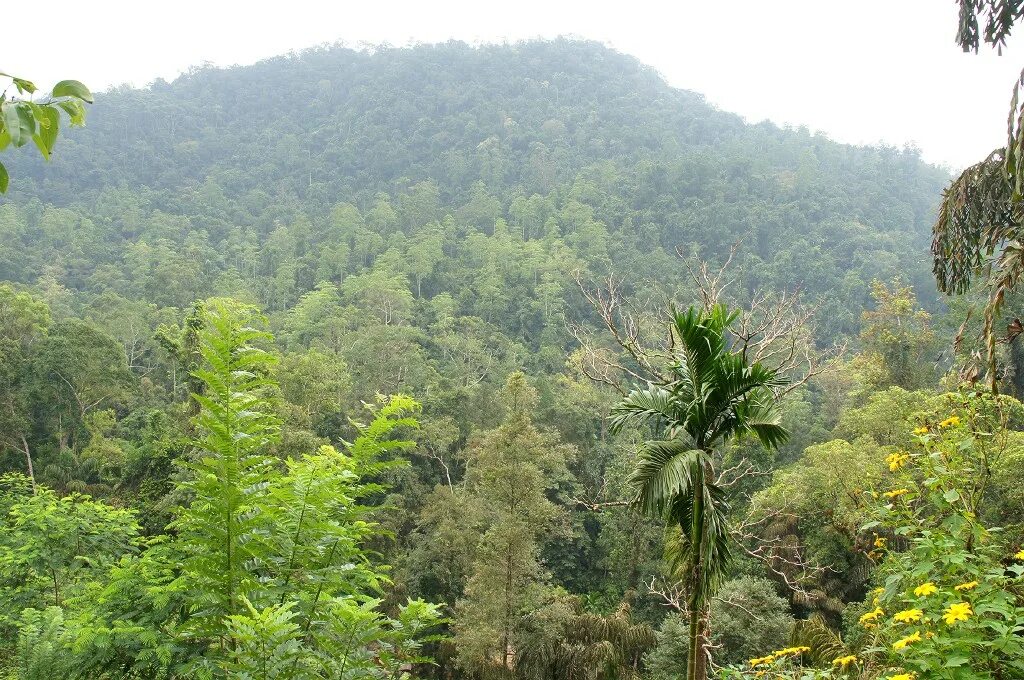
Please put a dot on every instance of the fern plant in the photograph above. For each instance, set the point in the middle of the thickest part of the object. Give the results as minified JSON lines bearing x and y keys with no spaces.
{"x":267,"y":575}
{"x":223,"y":532}
{"x":275,"y":550}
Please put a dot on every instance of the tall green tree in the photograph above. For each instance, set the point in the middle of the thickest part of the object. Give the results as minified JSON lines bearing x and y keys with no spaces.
{"x":713,"y":395}
{"x":511,"y":469}
{"x":24,"y":321}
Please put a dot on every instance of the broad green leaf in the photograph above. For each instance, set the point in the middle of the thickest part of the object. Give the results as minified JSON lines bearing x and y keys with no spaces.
{"x":5,"y":137}
{"x":72,"y":88}
{"x":49,"y":125}
{"x":19,"y":122}
{"x":24,"y":85}
{"x":74,"y":110}
{"x":4,"y":179}
{"x":951,"y":496}
{"x":27,"y":119}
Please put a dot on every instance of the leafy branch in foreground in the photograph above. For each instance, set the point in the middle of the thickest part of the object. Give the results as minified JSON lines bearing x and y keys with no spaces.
{"x":24,"y":120}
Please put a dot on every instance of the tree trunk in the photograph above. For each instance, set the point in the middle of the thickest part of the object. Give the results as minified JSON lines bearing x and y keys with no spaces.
{"x":700,"y":670}
{"x":28,"y":463}
{"x":696,"y":661}
{"x":507,"y":628}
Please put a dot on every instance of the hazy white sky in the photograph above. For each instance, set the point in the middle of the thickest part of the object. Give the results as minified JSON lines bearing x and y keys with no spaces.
{"x":862,"y":71}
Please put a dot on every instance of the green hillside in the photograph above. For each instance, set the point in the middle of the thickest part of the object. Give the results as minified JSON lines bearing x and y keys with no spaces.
{"x":316,"y":339}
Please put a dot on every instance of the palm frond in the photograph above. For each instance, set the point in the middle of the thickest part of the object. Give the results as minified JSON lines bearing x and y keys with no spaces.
{"x":664,"y":472}
{"x":639,"y":406}
{"x":715,"y":549}
{"x":976,"y":216}
{"x":761,"y":417}
{"x":825,"y":643}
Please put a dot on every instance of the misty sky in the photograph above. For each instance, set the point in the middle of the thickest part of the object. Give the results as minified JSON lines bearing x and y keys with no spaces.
{"x":864,"y":71}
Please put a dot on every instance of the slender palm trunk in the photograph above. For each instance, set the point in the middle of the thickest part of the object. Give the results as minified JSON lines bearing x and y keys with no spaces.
{"x":695,"y":662}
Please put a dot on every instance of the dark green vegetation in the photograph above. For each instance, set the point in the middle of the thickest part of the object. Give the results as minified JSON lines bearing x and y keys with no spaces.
{"x":498,"y":232}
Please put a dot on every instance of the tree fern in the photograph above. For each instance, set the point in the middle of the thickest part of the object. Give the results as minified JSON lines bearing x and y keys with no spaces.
{"x":223,"y":531}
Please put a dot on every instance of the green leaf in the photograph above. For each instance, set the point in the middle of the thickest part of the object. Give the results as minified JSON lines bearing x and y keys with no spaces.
{"x":5,"y":137}
{"x":24,"y":85}
{"x":4,"y":179}
{"x":72,"y":88}
{"x":49,"y":125}
{"x":20,"y":123}
{"x":74,"y":110}
{"x":951,"y":496}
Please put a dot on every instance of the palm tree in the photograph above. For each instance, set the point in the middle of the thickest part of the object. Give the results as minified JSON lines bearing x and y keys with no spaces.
{"x":712,"y":395}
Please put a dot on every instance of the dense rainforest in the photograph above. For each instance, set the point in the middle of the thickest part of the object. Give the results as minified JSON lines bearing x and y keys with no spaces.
{"x":508,"y":361}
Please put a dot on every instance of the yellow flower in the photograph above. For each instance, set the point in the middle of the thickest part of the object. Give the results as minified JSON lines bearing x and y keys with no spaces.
{"x":951,"y":421}
{"x":1019,"y":555}
{"x":961,"y":611}
{"x":897,"y":460}
{"x":761,"y":661}
{"x":908,"y":616}
{"x":902,"y":676}
{"x":921,"y":430}
{"x":970,"y":585}
{"x":896,"y":492}
{"x":845,"y":661}
{"x":870,"y":617}
{"x":925,"y":589}
{"x":904,"y":642}
{"x":880,"y":542}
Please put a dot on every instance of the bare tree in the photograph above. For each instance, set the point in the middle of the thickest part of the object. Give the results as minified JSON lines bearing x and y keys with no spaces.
{"x":775,"y":329}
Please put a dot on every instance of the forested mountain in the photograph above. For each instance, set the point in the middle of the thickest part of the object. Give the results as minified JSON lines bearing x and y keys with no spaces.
{"x":208,"y":289}
{"x":245,"y":178}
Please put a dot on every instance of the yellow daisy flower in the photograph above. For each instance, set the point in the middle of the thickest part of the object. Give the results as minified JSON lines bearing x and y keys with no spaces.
{"x":908,"y":616}
{"x":870,"y":617}
{"x":897,"y":460}
{"x":951,"y":421}
{"x":902,"y":676}
{"x":925,"y":589}
{"x":961,"y":611}
{"x":921,"y":430}
{"x":970,"y":585}
{"x":845,"y":661}
{"x":895,"y":492}
{"x":880,"y":542}
{"x":1019,"y":555}
{"x":904,"y":642}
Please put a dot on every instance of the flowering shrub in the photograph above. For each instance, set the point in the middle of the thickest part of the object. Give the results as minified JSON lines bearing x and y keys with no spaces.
{"x":950,"y":599}
{"x":950,"y":596}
